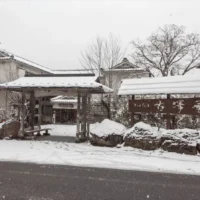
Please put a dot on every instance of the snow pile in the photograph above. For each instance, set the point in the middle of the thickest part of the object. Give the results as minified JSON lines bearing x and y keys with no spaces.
{"x":108,"y":127}
{"x":141,"y":130}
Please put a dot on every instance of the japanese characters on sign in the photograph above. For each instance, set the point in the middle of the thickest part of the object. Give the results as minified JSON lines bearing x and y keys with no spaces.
{"x":173,"y":106}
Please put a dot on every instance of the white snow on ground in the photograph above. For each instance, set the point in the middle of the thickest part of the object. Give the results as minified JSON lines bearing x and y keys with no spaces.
{"x":108,"y":127}
{"x":63,"y":129}
{"x":83,"y":154}
{"x":45,"y":152}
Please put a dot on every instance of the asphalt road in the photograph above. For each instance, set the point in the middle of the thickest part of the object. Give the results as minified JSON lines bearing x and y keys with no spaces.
{"x":48,"y":182}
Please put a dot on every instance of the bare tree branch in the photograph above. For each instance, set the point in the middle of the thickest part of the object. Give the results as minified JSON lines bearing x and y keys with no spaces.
{"x":170,"y":51}
{"x":102,"y":53}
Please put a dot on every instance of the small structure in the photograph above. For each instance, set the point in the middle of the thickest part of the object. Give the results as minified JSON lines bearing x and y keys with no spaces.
{"x":179,"y":96}
{"x":65,"y":108}
{"x":49,"y":85}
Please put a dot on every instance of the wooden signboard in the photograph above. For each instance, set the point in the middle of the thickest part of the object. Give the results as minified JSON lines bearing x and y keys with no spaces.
{"x":171,"y":106}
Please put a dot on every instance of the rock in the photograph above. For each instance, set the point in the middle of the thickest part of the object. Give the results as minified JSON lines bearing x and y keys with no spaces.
{"x":107,"y":133}
{"x":10,"y":129}
{"x":179,"y":147}
{"x":143,"y":143}
{"x":109,"y":141}
{"x":142,"y":136}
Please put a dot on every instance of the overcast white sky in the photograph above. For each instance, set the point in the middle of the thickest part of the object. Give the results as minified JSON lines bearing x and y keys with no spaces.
{"x":53,"y":32}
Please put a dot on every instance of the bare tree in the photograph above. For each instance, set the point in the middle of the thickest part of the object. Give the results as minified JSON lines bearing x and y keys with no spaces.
{"x":92,"y":56}
{"x":102,"y":53}
{"x":169,"y":51}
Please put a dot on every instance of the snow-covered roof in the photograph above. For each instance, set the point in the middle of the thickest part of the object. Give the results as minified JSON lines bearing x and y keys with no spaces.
{"x":77,"y":71}
{"x":4,"y":55}
{"x":64,"y":99}
{"x":161,"y":85}
{"x":32,"y":64}
{"x":44,"y":82}
{"x":125,"y":69}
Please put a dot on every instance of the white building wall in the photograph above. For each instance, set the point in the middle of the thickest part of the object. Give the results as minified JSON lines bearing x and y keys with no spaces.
{"x":117,"y":76}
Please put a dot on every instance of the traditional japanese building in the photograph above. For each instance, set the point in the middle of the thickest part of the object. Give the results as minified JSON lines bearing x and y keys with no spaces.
{"x":112,"y":77}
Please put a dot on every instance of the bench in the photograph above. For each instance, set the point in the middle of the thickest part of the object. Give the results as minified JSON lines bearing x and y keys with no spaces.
{"x":28,"y":132}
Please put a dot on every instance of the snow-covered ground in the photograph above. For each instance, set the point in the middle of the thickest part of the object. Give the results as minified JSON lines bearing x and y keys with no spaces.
{"x":84,"y":154}
{"x":63,"y":130}
{"x":46,"y":152}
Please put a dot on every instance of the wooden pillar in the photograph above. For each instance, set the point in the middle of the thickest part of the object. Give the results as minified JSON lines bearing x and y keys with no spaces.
{"x":168,"y":126}
{"x":140,"y":117}
{"x":32,"y":110}
{"x":6,"y":113}
{"x":84,"y":115}
{"x":60,"y":113}
{"x":22,"y":114}
{"x":132,"y":114}
{"x":88,"y":116}
{"x":173,"y":122}
{"x":78,"y":115}
{"x":39,"y":112}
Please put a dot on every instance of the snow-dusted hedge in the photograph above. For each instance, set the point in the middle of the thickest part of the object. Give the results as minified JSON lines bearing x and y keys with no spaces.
{"x":142,"y":136}
{"x":141,"y":130}
{"x":145,"y":137}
